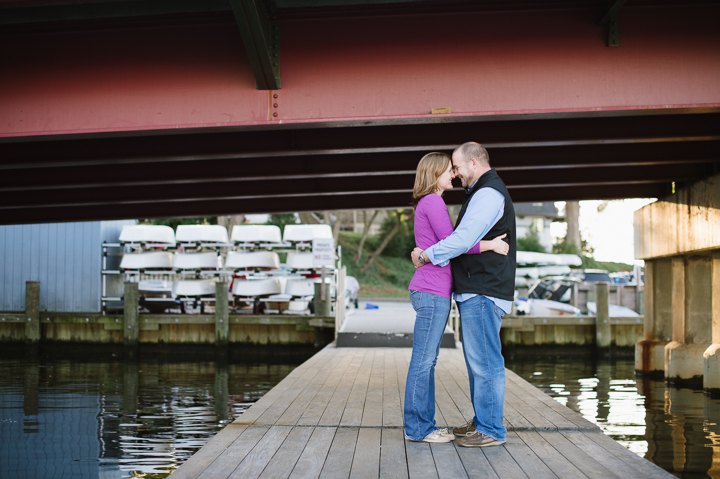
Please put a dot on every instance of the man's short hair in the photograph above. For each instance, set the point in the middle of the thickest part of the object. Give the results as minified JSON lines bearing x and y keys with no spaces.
{"x":471,"y":150}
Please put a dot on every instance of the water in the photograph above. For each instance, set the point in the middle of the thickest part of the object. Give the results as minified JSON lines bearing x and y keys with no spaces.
{"x":113,"y":419}
{"x":677,"y":429}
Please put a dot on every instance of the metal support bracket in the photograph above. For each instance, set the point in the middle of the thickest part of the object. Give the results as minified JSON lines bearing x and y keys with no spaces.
{"x":611,"y":19}
{"x":261,"y":39}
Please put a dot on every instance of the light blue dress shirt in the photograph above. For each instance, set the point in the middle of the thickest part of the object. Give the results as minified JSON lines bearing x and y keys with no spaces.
{"x":485,"y":208}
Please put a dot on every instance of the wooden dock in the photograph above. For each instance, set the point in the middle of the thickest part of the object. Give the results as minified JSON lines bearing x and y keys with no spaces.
{"x":339,"y":415}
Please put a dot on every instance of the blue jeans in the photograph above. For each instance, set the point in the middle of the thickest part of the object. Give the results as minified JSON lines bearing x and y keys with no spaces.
{"x":432,"y":314}
{"x":481,"y":320}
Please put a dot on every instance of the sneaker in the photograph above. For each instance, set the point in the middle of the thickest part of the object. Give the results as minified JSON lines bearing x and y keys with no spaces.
{"x":465,"y":429}
{"x":443,"y":431}
{"x":478,"y":439}
{"x":436,"y":437}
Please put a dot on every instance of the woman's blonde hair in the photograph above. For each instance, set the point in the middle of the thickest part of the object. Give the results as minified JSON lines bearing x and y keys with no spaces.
{"x":430,"y":168}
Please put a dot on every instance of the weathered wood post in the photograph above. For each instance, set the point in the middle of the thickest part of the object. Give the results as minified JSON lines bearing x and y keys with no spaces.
{"x":222,"y":315}
{"x":32,"y":313}
{"x":603,"y":338}
{"x":131,"y":381}
{"x":221,"y":390}
{"x":322,"y":306}
{"x":31,"y":398}
{"x":131,"y":330}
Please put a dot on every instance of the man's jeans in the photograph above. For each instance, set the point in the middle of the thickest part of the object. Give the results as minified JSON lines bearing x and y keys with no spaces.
{"x":480,"y":320}
{"x":432,"y":314}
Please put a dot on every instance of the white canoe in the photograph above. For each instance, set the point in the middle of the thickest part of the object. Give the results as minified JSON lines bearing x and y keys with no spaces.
{"x":300,"y":287}
{"x":614,"y":311}
{"x":256,"y":234}
{"x":196,"y":261}
{"x":158,"y":260}
{"x":201,"y":234}
{"x":194,"y":288}
{"x":306,"y":233}
{"x":251,"y":288}
{"x":302,"y":261}
{"x":254,"y":260}
{"x":145,"y":234}
{"x":155,"y":287}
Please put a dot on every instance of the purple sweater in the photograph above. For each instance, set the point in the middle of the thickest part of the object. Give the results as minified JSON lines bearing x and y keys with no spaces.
{"x":432,"y":224}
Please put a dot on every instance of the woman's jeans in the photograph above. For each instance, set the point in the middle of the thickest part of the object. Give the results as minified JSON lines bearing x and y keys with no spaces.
{"x":432,"y":314}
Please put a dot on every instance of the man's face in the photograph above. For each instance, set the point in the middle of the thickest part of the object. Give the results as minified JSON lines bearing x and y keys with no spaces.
{"x":463,"y":170}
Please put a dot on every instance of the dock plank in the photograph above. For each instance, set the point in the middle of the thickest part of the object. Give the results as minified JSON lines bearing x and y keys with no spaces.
{"x":530,"y":463}
{"x":225,"y":463}
{"x":447,"y":461}
{"x":313,"y":456}
{"x":587,"y":464}
{"x":315,"y":410}
{"x":284,"y":460}
{"x":372,"y":415}
{"x":421,"y":464}
{"x":393,"y":461}
{"x":252,"y":466}
{"x":366,"y":461}
{"x":353,"y":413}
{"x":340,"y":458}
{"x":502,"y":462}
{"x":392,"y":407}
{"x":200,"y":461}
{"x":332,"y":415}
{"x":558,"y":463}
{"x":340,"y":415}
{"x":646,"y":468}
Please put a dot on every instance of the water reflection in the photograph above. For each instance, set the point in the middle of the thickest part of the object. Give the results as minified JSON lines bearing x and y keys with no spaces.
{"x":677,"y":429}
{"x":114,"y":419}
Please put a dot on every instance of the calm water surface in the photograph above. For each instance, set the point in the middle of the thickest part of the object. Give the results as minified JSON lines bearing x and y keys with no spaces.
{"x":113,"y":419}
{"x":78,"y":419}
{"x":677,"y":429}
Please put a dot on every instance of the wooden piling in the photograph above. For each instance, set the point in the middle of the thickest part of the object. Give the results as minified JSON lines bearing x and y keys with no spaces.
{"x":32,"y":313}
{"x":603,"y":338}
{"x":222,"y":315}
{"x":322,"y":307}
{"x":131,"y":314}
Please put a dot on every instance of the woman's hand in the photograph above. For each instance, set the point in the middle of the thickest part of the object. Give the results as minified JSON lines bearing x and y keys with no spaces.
{"x":414,"y":256}
{"x":498,"y":245}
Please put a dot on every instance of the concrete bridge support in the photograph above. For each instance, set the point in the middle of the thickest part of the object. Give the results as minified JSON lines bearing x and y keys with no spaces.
{"x":679,"y":239}
{"x":711,"y":356}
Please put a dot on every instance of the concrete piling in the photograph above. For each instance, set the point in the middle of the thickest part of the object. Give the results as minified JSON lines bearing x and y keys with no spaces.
{"x":711,"y":356}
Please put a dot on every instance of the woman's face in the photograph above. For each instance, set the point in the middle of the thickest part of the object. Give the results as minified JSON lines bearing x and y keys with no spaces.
{"x":444,"y":182}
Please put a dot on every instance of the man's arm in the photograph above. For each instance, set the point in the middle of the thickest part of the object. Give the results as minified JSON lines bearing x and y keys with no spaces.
{"x":485,"y":209}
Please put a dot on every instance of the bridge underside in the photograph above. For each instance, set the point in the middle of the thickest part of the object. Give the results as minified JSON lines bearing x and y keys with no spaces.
{"x":153,"y":117}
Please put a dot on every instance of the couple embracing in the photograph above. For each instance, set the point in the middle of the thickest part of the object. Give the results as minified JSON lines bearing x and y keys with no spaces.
{"x":476,"y":263}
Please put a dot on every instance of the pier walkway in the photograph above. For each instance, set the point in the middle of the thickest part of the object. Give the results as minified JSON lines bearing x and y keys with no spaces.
{"x":339,"y":415}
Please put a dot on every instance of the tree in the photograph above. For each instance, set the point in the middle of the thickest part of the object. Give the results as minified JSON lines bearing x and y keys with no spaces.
{"x":531,"y":241}
{"x":400,"y":217}
{"x":175,"y":222}
{"x":366,"y":228}
{"x":572,"y":216}
{"x":282,"y":220}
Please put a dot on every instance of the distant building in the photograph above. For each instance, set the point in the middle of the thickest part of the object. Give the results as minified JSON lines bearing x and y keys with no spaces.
{"x":541,"y":214}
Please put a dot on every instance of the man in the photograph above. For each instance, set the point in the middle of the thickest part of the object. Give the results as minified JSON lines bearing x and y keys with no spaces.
{"x":484,"y":286}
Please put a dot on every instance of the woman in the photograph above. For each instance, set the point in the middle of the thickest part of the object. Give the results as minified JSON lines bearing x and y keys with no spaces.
{"x":430,"y":291}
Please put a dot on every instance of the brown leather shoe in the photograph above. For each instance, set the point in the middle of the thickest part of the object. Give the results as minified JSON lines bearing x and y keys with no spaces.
{"x":478,"y":439}
{"x":465,"y":429}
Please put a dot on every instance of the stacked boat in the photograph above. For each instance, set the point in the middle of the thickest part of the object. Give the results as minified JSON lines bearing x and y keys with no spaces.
{"x":176,"y":269}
